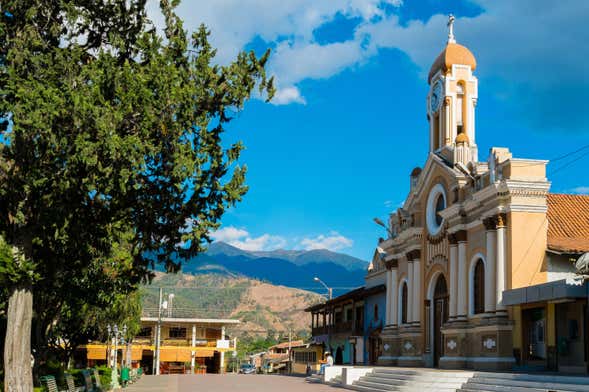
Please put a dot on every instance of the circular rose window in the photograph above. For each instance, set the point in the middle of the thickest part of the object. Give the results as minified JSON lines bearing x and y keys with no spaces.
{"x":436,"y":202}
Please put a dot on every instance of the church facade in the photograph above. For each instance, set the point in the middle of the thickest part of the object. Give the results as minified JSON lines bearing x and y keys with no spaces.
{"x":467,"y":232}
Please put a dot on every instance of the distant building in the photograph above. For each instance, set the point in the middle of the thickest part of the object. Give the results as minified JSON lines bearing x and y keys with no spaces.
{"x":278,"y":357}
{"x":188,"y":345}
{"x":346,"y":327}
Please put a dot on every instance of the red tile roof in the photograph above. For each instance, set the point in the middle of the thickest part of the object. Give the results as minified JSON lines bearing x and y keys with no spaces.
{"x":568,"y":223}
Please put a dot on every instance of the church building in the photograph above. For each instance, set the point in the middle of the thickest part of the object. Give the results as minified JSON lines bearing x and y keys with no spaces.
{"x":470,"y":232}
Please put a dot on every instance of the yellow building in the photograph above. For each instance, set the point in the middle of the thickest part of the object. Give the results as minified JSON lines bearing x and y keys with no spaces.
{"x":469,"y":231}
{"x":187,"y":345}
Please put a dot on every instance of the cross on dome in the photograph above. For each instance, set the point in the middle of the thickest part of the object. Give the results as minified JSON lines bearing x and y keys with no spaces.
{"x":451,"y":39}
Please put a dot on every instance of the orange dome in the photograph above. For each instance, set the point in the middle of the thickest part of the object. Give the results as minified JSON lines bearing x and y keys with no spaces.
{"x":461,"y":138}
{"x":452,"y":54}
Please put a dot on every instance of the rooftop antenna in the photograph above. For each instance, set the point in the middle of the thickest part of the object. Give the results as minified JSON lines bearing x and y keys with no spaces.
{"x":451,"y":39}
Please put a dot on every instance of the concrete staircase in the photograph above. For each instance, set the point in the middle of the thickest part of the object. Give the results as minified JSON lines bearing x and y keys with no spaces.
{"x":315,"y":378}
{"x":411,"y":380}
{"x":522,"y":382}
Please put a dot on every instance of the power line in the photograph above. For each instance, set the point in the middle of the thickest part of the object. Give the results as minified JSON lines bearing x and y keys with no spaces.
{"x":569,"y":163}
{"x":569,"y":154}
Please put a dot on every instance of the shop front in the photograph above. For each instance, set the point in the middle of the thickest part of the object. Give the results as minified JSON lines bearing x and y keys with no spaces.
{"x":550,"y":331}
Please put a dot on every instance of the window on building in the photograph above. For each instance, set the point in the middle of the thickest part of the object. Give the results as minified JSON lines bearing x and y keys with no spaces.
{"x":404,"y":303}
{"x":376,"y":311}
{"x":440,"y":206}
{"x":479,"y":287}
{"x":460,"y":108}
{"x":145,"y":332}
{"x":338,"y":317}
{"x":177,"y":333}
{"x":349,"y":314}
{"x":305,"y":357}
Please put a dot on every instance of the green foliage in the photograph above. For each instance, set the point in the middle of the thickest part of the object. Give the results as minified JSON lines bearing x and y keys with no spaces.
{"x":114,"y":159}
{"x":252,"y":345}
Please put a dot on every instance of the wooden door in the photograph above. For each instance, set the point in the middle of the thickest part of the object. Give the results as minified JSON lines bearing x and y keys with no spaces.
{"x":440,"y":317}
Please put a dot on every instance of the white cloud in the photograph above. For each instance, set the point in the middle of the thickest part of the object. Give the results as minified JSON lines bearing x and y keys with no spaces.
{"x":241,"y":239}
{"x":228,"y":234}
{"x":286,"y":95}
{"x":333,"y":241}
{"x":529,"y":56}
{"x":263,"y":242}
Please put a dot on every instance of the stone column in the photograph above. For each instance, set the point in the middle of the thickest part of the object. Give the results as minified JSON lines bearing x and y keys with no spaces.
{"x":453,"y":275}
{"x":417,"y":303}
{"x":501,"y":268}
{"x":409,"y":291}
{"x":415,"y":285}
{"x":461,"y":310}
{"x":388,"y":299}
{"x":394,"y":299}
{"x":192,"y":354}
{"x":490,"y":268}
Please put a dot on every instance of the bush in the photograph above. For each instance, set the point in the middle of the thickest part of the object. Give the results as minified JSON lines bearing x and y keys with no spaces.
{"x":105,"y":375}
{"x":53,"y":368}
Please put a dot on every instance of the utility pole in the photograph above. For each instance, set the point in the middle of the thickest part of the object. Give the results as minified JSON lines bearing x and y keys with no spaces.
{"x":156,"y":369}
{"x":289,"y":350}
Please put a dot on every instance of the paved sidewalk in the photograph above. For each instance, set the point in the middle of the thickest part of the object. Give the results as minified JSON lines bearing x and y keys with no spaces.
{"x":225,"y":383}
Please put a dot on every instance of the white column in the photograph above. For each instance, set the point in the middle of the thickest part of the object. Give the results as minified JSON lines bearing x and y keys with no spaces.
{"x":416,"y":291}
{"x":453,"y":284}
{"x":490,"y":271}
{"x":462,"y":279}
{"x":394,"y":298}
{"x":159,"y":339}
{"x":501,"y":286}
{"x":222,"y":359}
{"x":192,"y":359}
{"x":409,"y":292}
{"x":388,"y":299}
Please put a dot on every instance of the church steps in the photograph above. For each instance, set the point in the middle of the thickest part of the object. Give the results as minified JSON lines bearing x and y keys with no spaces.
{"x":499,"y":382}
{"x":405,"y":380}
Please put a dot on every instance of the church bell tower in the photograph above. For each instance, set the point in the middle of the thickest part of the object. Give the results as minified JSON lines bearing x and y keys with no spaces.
{"x":451,"y":102}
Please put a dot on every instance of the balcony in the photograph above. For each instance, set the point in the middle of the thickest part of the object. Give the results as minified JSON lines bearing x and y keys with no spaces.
{"x":181,"y":342}
{"x":317,"y":331}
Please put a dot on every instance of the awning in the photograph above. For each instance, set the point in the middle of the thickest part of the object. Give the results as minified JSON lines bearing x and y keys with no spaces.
{"x":96,"y":353}
{"x":559,"y":290}
{"x":136,"y":353}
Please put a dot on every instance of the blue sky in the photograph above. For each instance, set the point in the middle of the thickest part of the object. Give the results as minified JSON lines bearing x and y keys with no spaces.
{"x":348,"y":124}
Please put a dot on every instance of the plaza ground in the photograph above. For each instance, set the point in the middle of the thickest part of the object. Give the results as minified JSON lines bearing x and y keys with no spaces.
{"x":225,"y":383}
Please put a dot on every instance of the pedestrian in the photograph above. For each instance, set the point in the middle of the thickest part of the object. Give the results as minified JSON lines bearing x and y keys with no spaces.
{"x":327,"y":362}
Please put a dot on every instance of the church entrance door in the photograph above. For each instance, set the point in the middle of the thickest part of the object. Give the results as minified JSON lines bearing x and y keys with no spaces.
{"x":440,"y":317}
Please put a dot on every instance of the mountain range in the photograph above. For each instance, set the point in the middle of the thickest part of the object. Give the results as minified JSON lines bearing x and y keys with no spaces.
{"x":292,"y":268}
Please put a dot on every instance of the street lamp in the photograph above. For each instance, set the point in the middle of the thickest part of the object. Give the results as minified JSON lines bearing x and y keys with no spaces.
{"x":381,"y":223}
{"x":114,"y":333}
{"x":329,"y":289}
{"x":170,"y":300}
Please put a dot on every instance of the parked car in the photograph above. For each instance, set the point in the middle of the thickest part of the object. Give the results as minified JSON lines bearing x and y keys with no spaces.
{"x":247,"y":368}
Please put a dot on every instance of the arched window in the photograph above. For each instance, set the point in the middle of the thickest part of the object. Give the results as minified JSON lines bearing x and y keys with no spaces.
{"x":404,"y":304}
{"x":460,"y":110}
{"x":479,"y":287}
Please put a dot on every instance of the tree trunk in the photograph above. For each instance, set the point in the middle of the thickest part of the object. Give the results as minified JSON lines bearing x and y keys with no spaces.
{"x":18,"y":375}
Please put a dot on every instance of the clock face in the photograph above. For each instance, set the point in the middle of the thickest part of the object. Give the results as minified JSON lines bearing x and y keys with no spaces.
{"x":436,"y":97}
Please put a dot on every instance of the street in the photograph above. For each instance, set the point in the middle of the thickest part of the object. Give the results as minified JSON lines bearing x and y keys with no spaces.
{"x":227,"y":382}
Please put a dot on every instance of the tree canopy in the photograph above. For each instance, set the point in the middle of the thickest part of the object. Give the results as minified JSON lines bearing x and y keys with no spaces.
{"x":111,"y":133}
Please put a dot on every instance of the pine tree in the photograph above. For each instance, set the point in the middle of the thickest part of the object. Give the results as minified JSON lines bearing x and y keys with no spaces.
{"x":108,"y":128}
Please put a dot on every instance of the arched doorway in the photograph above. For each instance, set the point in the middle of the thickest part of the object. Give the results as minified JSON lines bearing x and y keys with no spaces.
{"x":440,"y":302}
{"x":339,"y":356}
